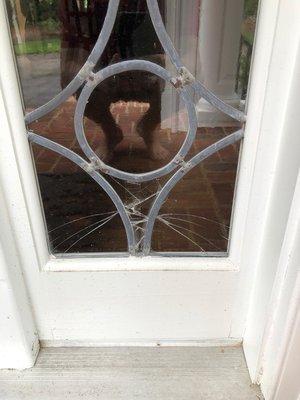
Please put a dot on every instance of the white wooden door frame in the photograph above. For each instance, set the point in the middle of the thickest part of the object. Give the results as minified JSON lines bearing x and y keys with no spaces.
{"x":285,"y":384}
{"x":279,"y":358}
{"x":19,"y":344}
{"x":273,"y":74}
{"x":274,"y":181}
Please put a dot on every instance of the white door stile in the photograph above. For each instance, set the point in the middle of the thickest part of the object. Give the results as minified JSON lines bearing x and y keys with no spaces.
{"x":287,"y":385}
{"x":19,"y":344}
{"x":17,"y":171}
{"x":284,"y":314}
{"x":241,"y":251}
{"x":276,"y":170}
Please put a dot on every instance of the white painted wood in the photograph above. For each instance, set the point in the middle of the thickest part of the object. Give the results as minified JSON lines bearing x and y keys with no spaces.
{"x":289,"y":385}
{"x":276,"y":170}
{"x":19,"y":343}
{"x":133,"y":306}
{"x":140,"y":264}
{"x":246,"y":228}
{"x":144,"y":343}
{"x":277,"y":359}
{"x":177,"y":300}
{"x":127,"y":373}
{"x":18,"y":335}
{"x":18,"y":177}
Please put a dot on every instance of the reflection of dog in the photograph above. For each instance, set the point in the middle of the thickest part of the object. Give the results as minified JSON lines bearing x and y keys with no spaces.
{"x":133,"y":37}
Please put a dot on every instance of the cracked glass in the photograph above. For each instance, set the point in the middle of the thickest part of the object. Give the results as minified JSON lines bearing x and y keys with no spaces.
{"x":135,"y":112}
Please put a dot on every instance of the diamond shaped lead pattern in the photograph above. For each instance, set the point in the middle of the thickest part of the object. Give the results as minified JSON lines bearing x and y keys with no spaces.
{"x":184,"y":82}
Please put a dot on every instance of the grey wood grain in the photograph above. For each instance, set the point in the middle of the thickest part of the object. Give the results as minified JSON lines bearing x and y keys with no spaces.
{"x":119,"y":373}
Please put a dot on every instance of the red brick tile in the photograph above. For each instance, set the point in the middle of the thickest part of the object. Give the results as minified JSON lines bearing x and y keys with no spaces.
{"x":205,"y":191}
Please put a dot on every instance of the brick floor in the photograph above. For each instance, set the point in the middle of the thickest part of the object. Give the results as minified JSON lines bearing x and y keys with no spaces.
{"x":196,"y":215}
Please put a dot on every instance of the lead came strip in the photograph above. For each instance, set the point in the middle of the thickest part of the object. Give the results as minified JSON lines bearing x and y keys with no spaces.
{"x":183,"y":83}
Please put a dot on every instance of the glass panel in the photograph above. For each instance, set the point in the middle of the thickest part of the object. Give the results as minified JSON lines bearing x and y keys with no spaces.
{"x":80,"y":216}
{"x":135,"y":122}
{"x":196,"y":216}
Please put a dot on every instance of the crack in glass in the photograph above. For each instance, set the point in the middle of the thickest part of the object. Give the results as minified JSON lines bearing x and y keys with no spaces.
{"x":138,"y":227}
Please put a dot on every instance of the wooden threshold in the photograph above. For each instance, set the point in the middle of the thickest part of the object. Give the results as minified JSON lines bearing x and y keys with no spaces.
{"x":119,"y":373}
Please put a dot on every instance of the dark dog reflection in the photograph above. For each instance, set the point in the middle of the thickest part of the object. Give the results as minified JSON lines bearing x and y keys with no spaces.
{"x":133,"y":37}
